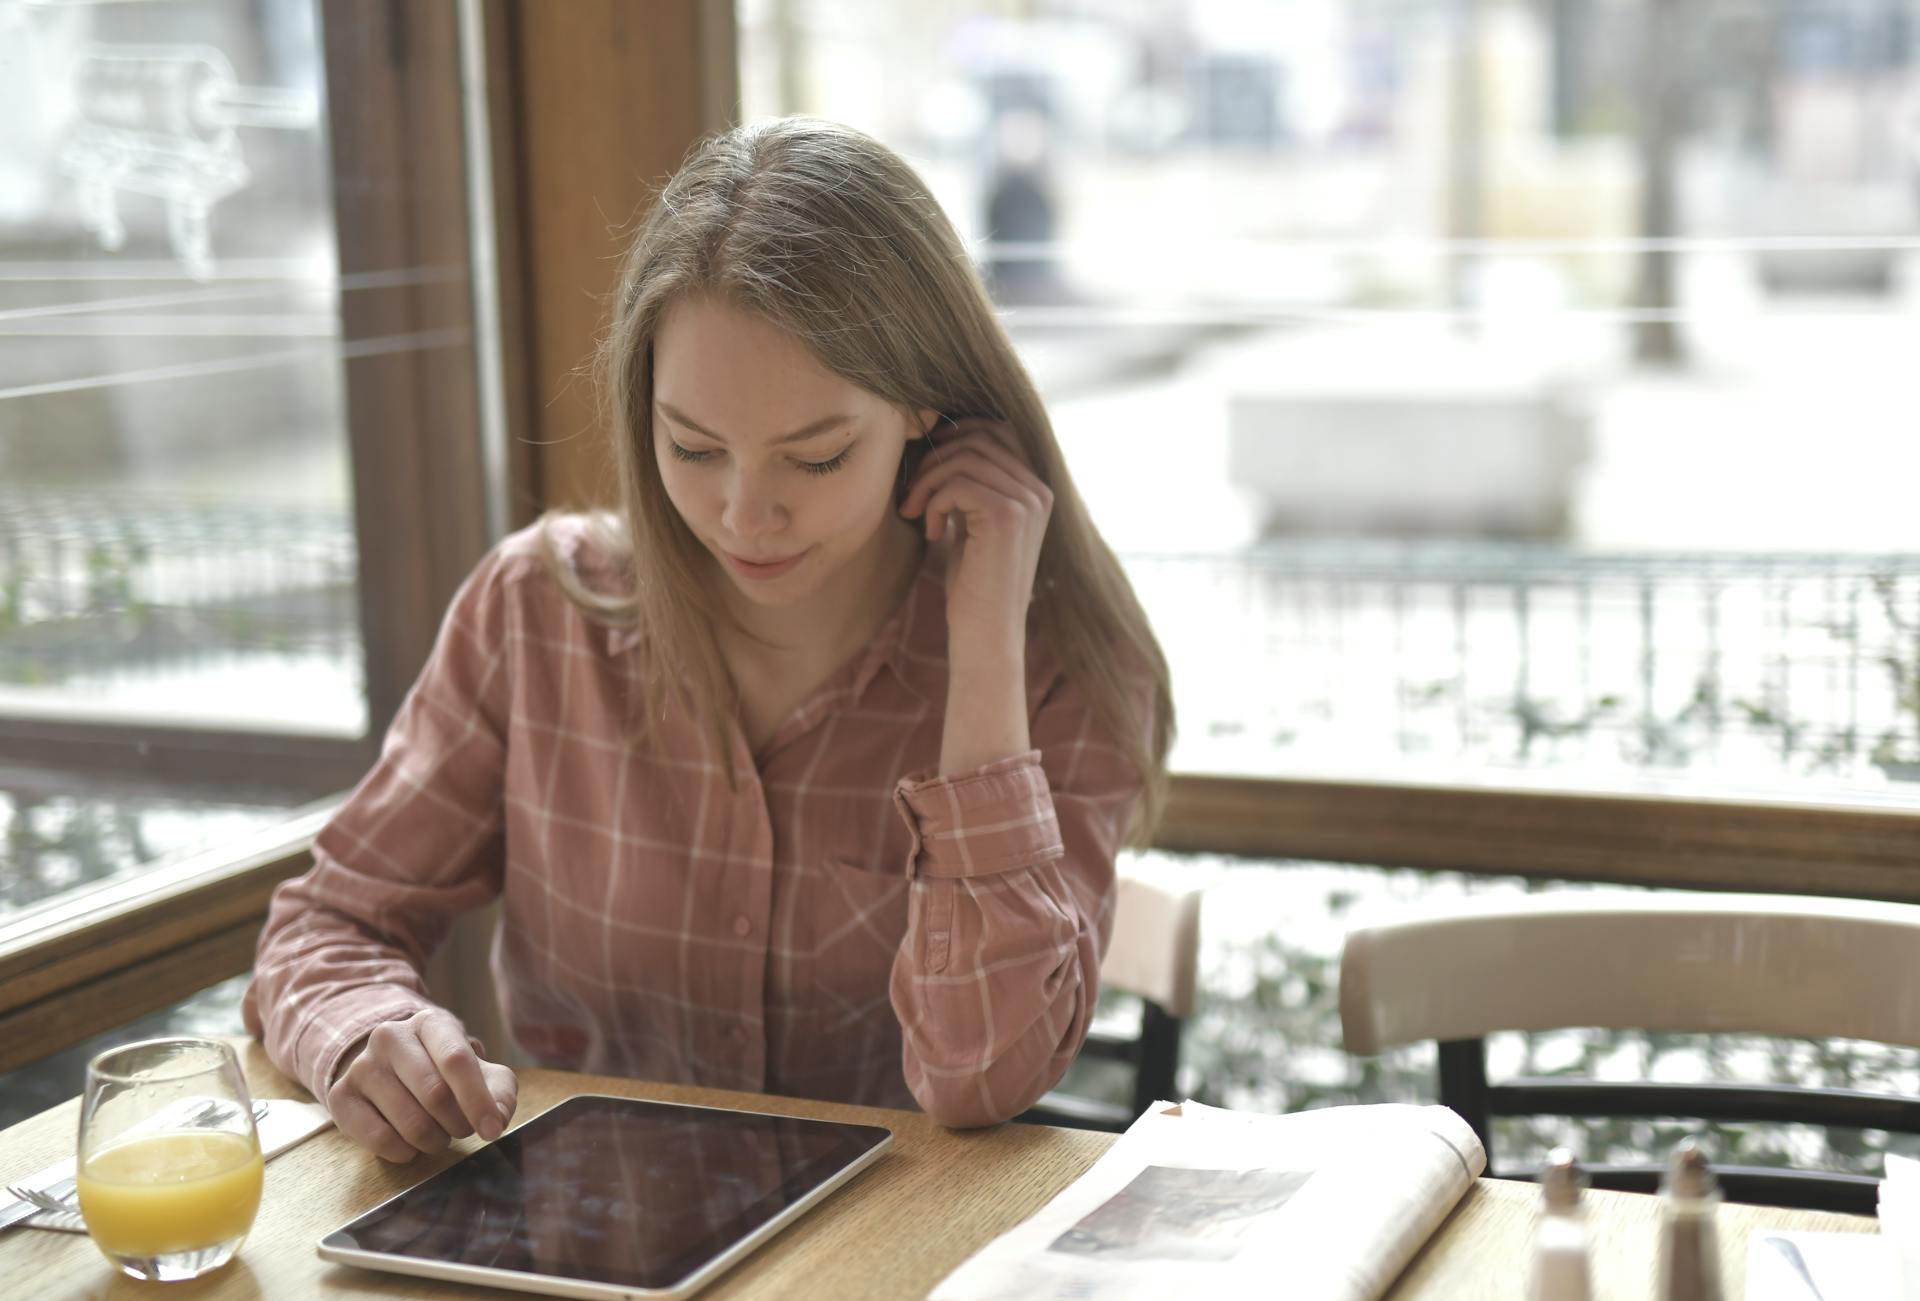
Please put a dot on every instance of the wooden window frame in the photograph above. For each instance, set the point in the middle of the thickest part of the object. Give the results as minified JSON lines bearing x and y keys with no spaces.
{"x":85,"y":963}
{"x":1675,"y":840}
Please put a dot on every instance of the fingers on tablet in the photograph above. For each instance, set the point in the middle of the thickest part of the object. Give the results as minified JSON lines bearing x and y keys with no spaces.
{"x":447,"y":1078}
{"x":419,"y":1084}
{"x":504,"y":1088}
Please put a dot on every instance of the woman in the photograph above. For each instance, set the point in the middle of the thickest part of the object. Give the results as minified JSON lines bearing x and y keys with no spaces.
{"x":805,"y":772}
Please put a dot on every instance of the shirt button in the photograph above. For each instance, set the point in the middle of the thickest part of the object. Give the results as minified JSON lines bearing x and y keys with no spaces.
{"x":743,"y":926}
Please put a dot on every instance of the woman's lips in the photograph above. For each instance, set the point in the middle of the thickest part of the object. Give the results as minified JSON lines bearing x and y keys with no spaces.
{"x":772,"y":569}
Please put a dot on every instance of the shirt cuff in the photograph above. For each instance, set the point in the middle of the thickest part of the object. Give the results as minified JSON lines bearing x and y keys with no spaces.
{"x":994,"y":819}
{"x":327,"y":1039}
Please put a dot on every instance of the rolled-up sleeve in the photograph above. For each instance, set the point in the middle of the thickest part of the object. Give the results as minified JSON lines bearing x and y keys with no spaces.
{"x":1011,"y":907}
{"x":418,"y":843}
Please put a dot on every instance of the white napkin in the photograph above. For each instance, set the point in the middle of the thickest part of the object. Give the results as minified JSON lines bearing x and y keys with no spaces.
{"x":1900,"y":1221}
{"x":1836,"y":1266}
{"x":286,"y":1124}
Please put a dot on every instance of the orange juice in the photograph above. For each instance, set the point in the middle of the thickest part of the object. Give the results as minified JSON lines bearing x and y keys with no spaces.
{"x":171,"y":1192}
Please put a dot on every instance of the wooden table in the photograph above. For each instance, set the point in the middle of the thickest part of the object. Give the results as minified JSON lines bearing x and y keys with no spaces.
{"x":894,"y":1231}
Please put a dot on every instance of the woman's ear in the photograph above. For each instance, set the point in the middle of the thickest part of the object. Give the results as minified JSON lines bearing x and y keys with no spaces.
{"x":925,"y":421}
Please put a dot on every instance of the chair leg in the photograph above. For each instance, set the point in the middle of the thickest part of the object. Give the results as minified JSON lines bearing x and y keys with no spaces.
{"x":1159,"y":1057}
{"x":1463,"y":1087}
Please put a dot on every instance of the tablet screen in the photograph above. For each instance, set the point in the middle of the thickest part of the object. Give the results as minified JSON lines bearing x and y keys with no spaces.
{"x":612,"y":1190}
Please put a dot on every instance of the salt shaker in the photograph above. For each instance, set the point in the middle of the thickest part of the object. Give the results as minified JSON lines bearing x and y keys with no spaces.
{"x":1560,"y":1268}
{"x":1689,"y":1260}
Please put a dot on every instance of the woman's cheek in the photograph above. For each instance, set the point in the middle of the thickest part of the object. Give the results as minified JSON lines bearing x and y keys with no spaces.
{"x":679,"y":493}
{"x":875,"y":490}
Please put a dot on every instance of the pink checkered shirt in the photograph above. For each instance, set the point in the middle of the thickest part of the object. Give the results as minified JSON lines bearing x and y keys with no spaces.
{"x":844,"y":925}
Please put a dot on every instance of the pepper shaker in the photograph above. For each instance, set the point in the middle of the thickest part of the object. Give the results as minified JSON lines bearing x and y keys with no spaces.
{"x":1689,"y":1260}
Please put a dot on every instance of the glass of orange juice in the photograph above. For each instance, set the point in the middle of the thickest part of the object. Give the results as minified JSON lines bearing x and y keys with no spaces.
{"x":169,"y":1168}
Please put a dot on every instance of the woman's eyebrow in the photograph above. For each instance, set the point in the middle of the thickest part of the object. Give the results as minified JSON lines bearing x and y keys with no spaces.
{"x":811,"y":430}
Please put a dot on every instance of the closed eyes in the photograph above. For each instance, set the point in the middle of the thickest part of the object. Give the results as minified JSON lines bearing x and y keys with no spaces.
{"x":828,"y":466}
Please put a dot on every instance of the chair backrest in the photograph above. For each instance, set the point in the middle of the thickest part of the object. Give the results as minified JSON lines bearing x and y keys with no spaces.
{"x":1760,"y":964}
{"x":1681,"y":963}
{"x":1155,"y":949}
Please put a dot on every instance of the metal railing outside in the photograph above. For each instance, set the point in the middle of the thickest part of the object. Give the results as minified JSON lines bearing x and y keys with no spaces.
{"x":97,"y":582}
{"x":1769,"y":668}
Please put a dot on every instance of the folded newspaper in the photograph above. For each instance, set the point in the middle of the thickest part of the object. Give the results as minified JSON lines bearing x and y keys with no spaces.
{"x":1193,"y":1200}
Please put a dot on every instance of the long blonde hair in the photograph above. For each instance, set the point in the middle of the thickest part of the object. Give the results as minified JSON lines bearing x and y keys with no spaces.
{"x":830,"y":235}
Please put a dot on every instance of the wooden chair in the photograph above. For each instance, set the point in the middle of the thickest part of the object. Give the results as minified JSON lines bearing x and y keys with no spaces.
{"x":1681,"y":963}
{"x":1154,"y":954}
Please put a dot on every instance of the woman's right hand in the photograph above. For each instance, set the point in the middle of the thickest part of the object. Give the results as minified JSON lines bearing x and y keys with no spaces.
{"x":417,"y":1084}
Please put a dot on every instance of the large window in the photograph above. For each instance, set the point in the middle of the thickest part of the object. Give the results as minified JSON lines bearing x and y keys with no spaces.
{"x":242,"y":454}
{"x":177,"y":505}
{"x":1501,"y":390}
{"x":1502,"y":409}
{"x":1500,"y":405}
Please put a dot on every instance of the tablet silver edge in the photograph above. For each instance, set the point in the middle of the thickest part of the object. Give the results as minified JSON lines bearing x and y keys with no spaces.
{"x":556,"y":1285}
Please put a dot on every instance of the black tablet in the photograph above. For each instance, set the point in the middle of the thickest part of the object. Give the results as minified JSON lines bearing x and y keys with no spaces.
{"x":610,"y":1197}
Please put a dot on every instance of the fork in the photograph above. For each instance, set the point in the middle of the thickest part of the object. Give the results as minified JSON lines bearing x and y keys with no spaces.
{"x":54,"y":1213}
{"x":58,"y":1212}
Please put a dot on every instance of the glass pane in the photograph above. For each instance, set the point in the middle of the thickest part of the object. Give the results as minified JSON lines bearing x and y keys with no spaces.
{"x":176,"y":537}
{"x":1496,"y":386}
{"x":58,"y":837}
{"x":53,"y":1079}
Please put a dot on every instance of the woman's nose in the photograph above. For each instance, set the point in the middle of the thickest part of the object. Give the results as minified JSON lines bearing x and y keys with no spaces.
{"x":750,"y":509}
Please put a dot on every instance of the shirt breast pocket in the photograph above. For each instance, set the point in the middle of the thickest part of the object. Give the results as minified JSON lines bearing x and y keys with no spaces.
{"x":861,"y":916}
{"x":888,"y":895}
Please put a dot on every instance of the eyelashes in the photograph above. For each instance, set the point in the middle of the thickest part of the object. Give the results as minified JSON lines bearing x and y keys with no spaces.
{"x":827,"y":466}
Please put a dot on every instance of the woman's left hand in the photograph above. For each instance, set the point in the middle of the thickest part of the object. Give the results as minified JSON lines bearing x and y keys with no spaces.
{"x":976,"y":473}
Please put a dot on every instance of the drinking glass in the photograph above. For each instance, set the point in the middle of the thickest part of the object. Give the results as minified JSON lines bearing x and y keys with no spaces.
{"x":169,"y":1168}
